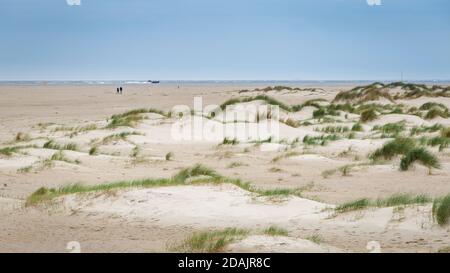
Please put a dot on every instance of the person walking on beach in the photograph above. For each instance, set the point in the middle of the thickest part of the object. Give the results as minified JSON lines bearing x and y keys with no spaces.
{"x":121,"y":90}
{"x":117,"y":91}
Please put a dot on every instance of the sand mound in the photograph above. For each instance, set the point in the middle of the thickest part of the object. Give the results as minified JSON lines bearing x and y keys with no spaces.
{"x":395,"y":118}
{"x":199,"y":206}
{"x":280,"y":244}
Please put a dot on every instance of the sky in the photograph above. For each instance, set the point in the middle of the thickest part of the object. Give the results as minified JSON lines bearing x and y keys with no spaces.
{"x":224,"y":40}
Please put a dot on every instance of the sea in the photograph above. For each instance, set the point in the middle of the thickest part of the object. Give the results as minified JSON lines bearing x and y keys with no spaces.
{"x":209,"y":82}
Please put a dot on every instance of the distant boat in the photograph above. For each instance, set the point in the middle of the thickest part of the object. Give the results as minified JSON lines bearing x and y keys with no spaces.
{"x":150,"y":81}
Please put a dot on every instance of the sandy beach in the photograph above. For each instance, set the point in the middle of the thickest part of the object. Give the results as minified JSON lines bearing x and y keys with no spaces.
{"x":304,"y":183}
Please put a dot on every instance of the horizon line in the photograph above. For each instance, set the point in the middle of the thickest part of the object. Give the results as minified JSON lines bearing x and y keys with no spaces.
{"x":226,"y":80}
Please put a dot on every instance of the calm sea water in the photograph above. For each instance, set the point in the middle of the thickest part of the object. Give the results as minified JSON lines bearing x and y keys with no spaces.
{"x":206,"y":82}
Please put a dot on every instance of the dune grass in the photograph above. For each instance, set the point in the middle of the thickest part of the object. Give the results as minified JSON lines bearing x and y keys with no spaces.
{"x":276,"y":231}
{"x":195,"y":175}
{"x":391,"y":128}
{"x":357,"y":127}
{"x":316,"y":238}
{"x":445,"y":132}
{"x":169,"y":156}
{"x":440,"y":141}
{"x":212,"y":241}
{"x":59,"y":156}
{"x":9,"y":151}
{"x":334,"y":129}
{"x":236,"y":164}
{"x":444,"y":250}
{"x":378,"y":90}
{"x":93,"y":150}
{"x":436,"y":112}
{"x":441,"y":210}
{"x":267,"y":99}
{"x":289,"y":108}
{"x":426,"y":129}
{"x":319,"y":140}
{"x":392,"y":201}
{"x":116,"y":137}
{"x":403,"y":199}
{"x":25,"y":169}
{"x":362,"y":94}
{"x":353,"y":205}
{"x":56,"y":146}
{"x":227,"y":141}
{"x":285,"y":155}
{"x":368,"y":115}
{"x":126,"y":121}
{"x":419,"y":154}
{"x":429,"y":105}
{"x":133,"y":117}
{"x":398,"y":146}
{"x":411,"y":153}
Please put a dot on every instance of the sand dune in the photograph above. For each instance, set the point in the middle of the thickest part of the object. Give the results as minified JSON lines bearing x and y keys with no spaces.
{"x":314,"y":158}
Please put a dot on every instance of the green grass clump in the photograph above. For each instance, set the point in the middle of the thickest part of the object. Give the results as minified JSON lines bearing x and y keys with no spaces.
{"x":429,"y":105}
{"x":227,"y":141}
{"x":169,"y":156}
{"x":8,"y":151}
{"x":391,"y":128}
{"x":316,"y":238}
{"x":197,"y":170}
{"x":403,"y":199}
{"x":319,"y":140}
{"x":276,"y":231}
{"x":368,"y":115}
{"x":442,"y":142}
{"x":426,"y":129}
{"x":419,"y":154}
{"x":444,"y":250}
{"x":59,"y":156}
{"x":398,"y":146}
{"x":379,"y":90}
{"x":133,"y":117}
{"x":445,"y":132}
{"x":40,"y":195}
{"x":441,"y":210}
{"x":325,"y":111}
{"x":357,"y":127}
{"x":436,"y":112}
{"x":319,"y":113}
{"x":392,"y":201}
{"x":128,"y":121}
{"x":285,"y":155}
{"x":354,"y":205}
{"x":267,"y":99}
{"x":116,"y":137}
{"x":26,"y":169}
{"x":236,"y":165}
{"x":55,"y":146}
{"x":335,"y":129}
{"x":93,"y":150}
{"x":212,"y":241}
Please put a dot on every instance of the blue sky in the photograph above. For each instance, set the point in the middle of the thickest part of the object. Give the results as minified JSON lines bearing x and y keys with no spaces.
{"x":217,"y":39}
